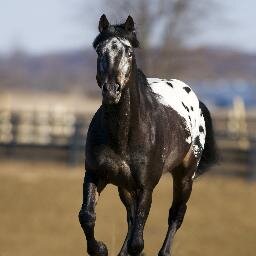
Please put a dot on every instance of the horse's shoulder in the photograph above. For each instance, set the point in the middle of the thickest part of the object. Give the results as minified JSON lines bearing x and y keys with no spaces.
{"x":95,"y":133}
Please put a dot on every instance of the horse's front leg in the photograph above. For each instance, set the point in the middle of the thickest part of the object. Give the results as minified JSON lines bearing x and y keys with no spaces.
{"x":91,"y":188}
{"x":136,"y":242}
{"x":130,"y":204}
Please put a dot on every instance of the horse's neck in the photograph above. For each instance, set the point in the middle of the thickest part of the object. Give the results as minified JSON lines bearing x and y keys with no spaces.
{"x":116,"y":122}
{"x":138,"y":97}
{"x":120,"y":118}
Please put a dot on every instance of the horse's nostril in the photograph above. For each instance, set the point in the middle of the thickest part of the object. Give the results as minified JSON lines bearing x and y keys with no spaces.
{"x":108,"y":88}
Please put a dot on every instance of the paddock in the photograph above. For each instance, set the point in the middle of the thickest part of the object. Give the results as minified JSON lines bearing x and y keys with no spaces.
{"x":42,"y":220}
{"x":47,"y":190}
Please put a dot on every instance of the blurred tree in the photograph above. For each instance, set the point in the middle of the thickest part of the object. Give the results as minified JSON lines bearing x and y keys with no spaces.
{"x":164,"y":24}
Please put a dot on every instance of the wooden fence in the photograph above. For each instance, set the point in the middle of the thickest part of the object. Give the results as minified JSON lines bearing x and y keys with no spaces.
{"x":60,"y":129}
{"x":43,"y":129}
{"x":236,"y":138}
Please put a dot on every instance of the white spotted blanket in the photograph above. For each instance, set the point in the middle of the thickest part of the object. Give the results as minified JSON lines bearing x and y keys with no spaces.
{"x":180,"y":97}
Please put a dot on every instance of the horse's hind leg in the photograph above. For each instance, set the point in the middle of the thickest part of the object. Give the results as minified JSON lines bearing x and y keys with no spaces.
{"x":129,"y":203}
{"x":87,"y":217}
{"x":182,"y":187}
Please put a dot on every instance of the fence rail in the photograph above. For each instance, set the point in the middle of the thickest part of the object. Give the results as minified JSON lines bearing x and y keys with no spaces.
{"x":51,"y":129}
{"x":236,"y":138}
{"x":64,"y":130}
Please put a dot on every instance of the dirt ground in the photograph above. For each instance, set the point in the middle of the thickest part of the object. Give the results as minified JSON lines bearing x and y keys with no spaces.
{"x":39,"y":204}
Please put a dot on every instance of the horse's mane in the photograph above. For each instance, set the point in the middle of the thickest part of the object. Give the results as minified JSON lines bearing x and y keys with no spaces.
{"x":117,"y":31}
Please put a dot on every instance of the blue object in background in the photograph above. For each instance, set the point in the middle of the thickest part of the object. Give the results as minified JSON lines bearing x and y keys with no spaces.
{"x":222,"y":93}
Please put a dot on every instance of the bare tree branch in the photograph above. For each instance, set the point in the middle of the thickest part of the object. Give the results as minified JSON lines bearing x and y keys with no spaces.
{"x":167,"y":23}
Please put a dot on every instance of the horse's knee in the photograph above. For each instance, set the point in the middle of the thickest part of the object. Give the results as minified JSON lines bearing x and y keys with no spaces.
{"x":136,"y":246}
{"x":97,"y":248}
{"x":87,"y":219}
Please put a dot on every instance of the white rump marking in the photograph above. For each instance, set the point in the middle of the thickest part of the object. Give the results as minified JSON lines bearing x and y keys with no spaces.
{"x":180,"y":97}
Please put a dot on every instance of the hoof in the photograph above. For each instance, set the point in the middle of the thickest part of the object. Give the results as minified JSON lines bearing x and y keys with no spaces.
{"x":97,"y":249}
{"x":135,"y":247}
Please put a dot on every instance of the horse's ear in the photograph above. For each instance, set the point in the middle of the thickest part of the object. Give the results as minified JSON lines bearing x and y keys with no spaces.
{"x":129,"y":24}
{"x":103,"y":23}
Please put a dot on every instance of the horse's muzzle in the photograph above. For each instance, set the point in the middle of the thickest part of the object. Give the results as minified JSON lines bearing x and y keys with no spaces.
{"x":111,"y":93}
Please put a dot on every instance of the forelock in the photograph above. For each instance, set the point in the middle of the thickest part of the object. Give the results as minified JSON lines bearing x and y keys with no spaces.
{"x":119,"y":32}
{"x":125,"y":42}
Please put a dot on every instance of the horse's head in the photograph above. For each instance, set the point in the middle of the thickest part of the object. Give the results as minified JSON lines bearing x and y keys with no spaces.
{"x":115,"y":48}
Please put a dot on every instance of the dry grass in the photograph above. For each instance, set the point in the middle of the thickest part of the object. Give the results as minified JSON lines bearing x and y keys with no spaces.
{"x":39,"y":204}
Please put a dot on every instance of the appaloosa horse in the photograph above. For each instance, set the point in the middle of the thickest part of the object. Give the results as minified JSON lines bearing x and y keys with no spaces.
{"x":144,"y":128}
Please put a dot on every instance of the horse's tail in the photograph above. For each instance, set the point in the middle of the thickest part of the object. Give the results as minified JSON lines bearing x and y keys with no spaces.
{"x":210,"y":155}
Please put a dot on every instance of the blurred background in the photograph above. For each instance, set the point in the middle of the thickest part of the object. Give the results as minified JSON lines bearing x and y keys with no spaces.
{"x":48,"y":94}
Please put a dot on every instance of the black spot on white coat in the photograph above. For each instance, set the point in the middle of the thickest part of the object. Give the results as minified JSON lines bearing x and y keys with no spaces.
{"x":201,"y":129}
{"x":187,"y":89}
{"x":185,"y":106}
{"x":170,"y":84}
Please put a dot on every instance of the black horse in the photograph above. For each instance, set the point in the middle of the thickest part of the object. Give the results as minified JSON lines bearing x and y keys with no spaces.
{"x":144,"y":128}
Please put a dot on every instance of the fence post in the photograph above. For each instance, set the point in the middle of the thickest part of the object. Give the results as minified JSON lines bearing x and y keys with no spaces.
{"x":13,"y":143}
{"x":75,"y":143}
{"x":252,"y":160}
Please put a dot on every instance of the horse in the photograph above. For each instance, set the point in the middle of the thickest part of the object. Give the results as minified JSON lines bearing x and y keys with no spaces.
{"x":145,"y":127}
